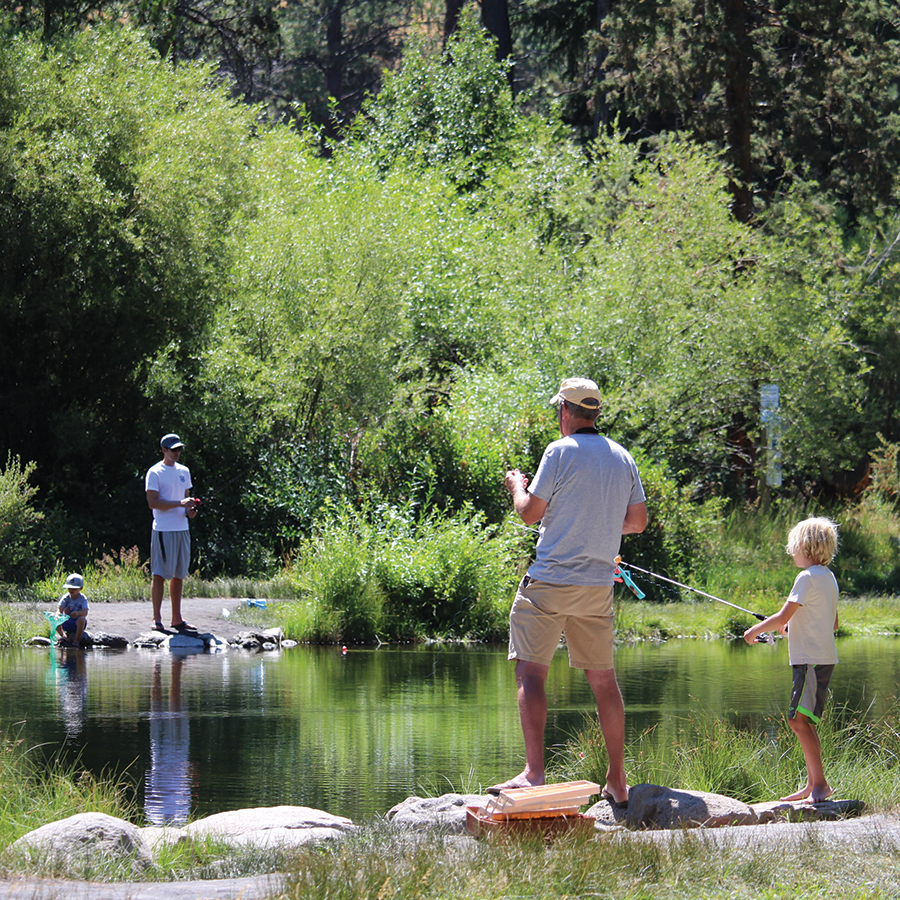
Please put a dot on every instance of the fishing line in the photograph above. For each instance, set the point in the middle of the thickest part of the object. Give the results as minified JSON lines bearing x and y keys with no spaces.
{"x":687,"y":587}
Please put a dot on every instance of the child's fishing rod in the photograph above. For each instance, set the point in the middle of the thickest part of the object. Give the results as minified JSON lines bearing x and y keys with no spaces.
{"x":749,"y":612}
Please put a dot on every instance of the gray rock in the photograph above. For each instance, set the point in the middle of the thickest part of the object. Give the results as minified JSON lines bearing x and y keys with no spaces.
{"x":803,"y":811}
{"x":102,"y":639}
{"x":272,"y":827}
{"x":149,"y":640}
{"x":656,"y":807}
{"x":447,"y":812}
{"x":85,"y":842}
{"x":269,"y":639}
{"x":256,"y":887}
{"x":186,"y":642}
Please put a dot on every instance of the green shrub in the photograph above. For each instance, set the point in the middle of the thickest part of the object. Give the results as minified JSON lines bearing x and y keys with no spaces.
{"x":18,"y":518}
{"x":680,"y":533}
{"x":393,"y":573}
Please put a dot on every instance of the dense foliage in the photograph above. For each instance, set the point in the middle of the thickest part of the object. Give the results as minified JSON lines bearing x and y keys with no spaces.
{"x":382,"y":324}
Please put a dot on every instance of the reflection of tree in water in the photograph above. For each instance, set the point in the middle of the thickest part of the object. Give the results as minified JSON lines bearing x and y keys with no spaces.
{"x":167,"y":784}
{"x":71,"y":691}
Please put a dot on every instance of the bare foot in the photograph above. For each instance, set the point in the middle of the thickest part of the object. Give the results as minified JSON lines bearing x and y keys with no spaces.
{"x":520,"y":781}
{"x":821,"y":792}
{"x":615,"y":797}
{"x":799,"y":795}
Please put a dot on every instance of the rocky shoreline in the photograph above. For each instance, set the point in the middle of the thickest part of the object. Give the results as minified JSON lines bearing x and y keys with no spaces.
{"x":219,"y":622}
{"x":654,"y":813}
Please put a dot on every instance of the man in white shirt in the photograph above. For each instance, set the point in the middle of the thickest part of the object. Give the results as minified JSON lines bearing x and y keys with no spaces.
{"x":168,"y":485}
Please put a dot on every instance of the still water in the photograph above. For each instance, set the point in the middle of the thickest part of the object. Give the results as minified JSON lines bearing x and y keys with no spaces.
{"x":355,"y":734}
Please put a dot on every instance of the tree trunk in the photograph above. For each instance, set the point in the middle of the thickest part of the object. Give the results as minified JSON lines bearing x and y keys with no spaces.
{"x":495,"y":18}
{"x":451,"y":18}
{"x":601,"y":108}
{"x":737,"y":101}
{"x":334,"y":60}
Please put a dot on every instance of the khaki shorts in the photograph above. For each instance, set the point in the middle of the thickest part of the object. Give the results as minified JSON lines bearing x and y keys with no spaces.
{"x":542,"y":612}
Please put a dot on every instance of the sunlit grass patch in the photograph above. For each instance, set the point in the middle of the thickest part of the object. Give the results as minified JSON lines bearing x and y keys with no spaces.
{"x":378,"y":862}
{"x":702,"y":752}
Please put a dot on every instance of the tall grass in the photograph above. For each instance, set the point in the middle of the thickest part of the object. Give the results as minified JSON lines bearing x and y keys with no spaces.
{"x":861,"y":757}
{"x":14,"y":629}
{"x":37,"y":791}
{"x":748,"y":559}
{"x":380,"y":863}
{"x":115,"y":576}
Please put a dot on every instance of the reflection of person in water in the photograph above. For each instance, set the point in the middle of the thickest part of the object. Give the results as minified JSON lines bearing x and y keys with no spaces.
{"x":167,"y":786}
{"x":71,"y":682}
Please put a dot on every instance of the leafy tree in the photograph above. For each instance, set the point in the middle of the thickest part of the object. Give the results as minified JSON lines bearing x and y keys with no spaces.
{"x":335,"y":52}
{"x":805,"y":86}
{"x":452,"y":110}
{"x":118,"y":180}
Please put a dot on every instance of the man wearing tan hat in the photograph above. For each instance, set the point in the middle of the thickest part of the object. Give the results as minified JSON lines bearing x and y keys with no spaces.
{"x":586,"y":494}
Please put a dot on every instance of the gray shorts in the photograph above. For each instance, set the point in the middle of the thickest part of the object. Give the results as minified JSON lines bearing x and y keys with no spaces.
{"x":810,"y":690}
{"x":170,"y":554}
{"x":542,"y":612}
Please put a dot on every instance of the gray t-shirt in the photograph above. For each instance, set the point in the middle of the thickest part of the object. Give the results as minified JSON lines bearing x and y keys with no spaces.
{"x":588,"y":482}
{"x":811,"y":628}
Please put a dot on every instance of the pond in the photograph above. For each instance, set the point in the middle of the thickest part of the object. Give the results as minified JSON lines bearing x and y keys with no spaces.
{"x":354,"y":734}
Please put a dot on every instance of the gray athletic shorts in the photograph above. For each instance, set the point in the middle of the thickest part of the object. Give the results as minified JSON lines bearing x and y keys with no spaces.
{"x":170,"y":553}
{"x":810,"y":691}
{"x":542,"y":612}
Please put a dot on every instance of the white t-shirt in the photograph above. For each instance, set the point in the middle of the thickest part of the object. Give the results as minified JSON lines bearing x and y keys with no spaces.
{"x":588,"y":481}
{"x":811,"y":628}
{"x":172,"y":483}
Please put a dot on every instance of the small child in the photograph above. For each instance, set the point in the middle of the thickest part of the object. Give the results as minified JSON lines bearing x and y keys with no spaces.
{"x":75,"y":605}
{"x":811,"y":609}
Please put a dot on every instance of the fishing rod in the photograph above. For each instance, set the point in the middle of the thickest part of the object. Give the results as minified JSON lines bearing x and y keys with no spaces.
{"x":620,"y":564}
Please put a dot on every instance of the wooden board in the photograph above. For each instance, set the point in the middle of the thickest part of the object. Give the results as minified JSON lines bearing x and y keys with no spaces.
{"x":545,"y":798}
{"x":480,"y":824}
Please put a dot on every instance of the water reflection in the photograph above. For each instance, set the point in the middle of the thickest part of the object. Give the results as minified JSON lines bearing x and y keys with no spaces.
{"x":69,"y":670}
{"x":167,"y":787}
{"x":356,"y":734}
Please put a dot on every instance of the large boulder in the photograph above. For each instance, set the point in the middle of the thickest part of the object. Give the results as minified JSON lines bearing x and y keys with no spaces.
{"x":447,"y":812}
{"x":271,"y":827}
{"x":654,"y":806}
{"x":83,"y":844}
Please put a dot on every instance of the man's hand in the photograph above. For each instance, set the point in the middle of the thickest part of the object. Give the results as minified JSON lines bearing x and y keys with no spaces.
{"x":531,"y":509}
{"x":515,"y":481}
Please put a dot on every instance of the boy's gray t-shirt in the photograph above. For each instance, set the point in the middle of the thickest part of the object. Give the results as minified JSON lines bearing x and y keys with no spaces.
{"x":588,"y":482}
{"x":811,"y":628}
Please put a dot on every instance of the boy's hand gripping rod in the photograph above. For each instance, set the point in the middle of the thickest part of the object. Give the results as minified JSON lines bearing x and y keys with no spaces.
{"x":630,"y":583}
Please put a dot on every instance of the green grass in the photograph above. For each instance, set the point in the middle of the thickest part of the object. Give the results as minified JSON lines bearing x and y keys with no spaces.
{"x":36,"y":792}
{"x":705,"y":753}
{"x":641,"y":620}
{"x":379,"y":863}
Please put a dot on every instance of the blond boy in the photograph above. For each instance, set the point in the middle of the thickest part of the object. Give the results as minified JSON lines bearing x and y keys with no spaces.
{"x":811,"y":609}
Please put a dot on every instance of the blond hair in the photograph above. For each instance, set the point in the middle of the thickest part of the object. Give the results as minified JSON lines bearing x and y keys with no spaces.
{"x":815,"y":538}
